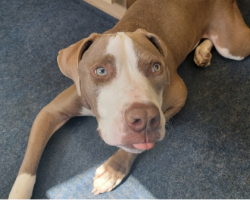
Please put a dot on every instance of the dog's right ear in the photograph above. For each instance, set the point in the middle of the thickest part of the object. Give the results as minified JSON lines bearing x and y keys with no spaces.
{"x":69,"y":58}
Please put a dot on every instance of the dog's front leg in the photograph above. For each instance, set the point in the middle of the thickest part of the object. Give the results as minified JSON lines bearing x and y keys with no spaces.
{"x":50,"y":118}
{"x":174,"y":98}
{"x":111,"y":173}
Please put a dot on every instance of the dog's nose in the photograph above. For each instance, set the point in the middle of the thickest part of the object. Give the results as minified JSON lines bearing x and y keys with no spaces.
{"x":141,"y":116}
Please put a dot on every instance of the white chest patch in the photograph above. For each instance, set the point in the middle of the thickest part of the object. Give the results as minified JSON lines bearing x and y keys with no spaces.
{"x":129,"y":86}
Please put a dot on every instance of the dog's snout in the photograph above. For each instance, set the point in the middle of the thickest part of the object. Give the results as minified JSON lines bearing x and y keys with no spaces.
{"x":141,"y":116}
{"x":136,"y":118}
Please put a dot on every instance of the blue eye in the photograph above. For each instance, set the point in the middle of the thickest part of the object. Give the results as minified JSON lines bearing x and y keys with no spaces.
{"x":101,"y":71}
{"x":156,"y":67}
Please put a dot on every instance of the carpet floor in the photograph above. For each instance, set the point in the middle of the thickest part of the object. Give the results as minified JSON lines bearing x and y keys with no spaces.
{"x":206,"y":151}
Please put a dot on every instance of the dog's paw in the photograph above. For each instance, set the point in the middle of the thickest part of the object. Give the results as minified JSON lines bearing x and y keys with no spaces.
{"x":107,"y":178}
{"x":111,"y":173}
{"x":23,"y":187}
{"x":202,"y":57}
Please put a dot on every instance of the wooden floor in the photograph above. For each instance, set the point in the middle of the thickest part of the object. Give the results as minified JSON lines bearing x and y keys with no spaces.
{"x":115,"y":8}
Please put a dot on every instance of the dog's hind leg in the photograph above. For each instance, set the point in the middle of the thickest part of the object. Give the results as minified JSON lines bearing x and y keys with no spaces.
{"x":50,"y":118}
{"x":230,"y":34}
{"x":202,"y":55}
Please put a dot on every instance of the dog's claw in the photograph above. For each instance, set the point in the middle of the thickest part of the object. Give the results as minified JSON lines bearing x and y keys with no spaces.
{"x":110,"y":189}
{"x":95,"y":191}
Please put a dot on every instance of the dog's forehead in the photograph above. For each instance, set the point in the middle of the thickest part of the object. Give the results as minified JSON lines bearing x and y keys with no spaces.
{"x":96,"y":51}
{"x":122,"y":48}
{"x":127,"y":49}
{"x":132,"y":46}
{"x":119,"y":43}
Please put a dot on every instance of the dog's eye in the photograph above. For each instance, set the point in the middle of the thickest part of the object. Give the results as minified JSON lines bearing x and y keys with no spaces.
{"x":101,"y":71}
{"x":156,"y":67}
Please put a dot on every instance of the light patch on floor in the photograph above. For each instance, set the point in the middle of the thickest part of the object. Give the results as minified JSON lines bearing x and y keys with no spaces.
{"x":80,"y":187}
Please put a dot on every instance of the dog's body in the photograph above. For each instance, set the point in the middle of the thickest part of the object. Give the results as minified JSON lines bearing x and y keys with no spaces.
{"x":127,"y":78}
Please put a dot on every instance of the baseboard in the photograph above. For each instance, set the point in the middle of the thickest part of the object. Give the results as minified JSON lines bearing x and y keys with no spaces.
{"x":115,"y":9}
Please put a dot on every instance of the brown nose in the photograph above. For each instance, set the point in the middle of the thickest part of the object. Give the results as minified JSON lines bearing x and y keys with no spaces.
{"x":142,"y":116}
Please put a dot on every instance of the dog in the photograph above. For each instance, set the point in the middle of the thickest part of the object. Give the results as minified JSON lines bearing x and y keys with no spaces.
{"x":127,"y":78}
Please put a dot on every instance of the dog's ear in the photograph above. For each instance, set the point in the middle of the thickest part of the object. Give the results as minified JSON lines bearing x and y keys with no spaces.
{"x":159,"y":44}
{"x":69,"y":58}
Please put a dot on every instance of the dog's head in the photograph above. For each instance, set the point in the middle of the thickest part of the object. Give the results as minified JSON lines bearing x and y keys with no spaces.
{"x":121,"y":78}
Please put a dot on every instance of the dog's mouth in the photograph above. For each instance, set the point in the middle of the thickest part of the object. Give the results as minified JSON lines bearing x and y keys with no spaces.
{"x":144,"y":146}
{"x":137,"y":148}
{"x":135,"y":142}
{"x":140,"y":146}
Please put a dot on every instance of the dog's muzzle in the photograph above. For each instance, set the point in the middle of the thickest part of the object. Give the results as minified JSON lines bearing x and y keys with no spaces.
{"x":142,"y":123}
{"x":142,"y":117}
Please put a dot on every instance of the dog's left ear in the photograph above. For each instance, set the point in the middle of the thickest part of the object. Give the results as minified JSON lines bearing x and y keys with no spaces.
{"x":69,"y":58}
{"x":159,"y":44}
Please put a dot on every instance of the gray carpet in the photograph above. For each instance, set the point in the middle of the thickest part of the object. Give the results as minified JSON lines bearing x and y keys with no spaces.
{"x":206,"y":151}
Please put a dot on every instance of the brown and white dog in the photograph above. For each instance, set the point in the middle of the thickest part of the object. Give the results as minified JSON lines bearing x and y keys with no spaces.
{"x":127,"y":78}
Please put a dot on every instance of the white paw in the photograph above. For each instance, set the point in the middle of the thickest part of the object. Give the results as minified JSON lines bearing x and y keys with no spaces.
{"x":108,"y":176}
{"x":23,"y":187}
{"x":202,"y":57}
